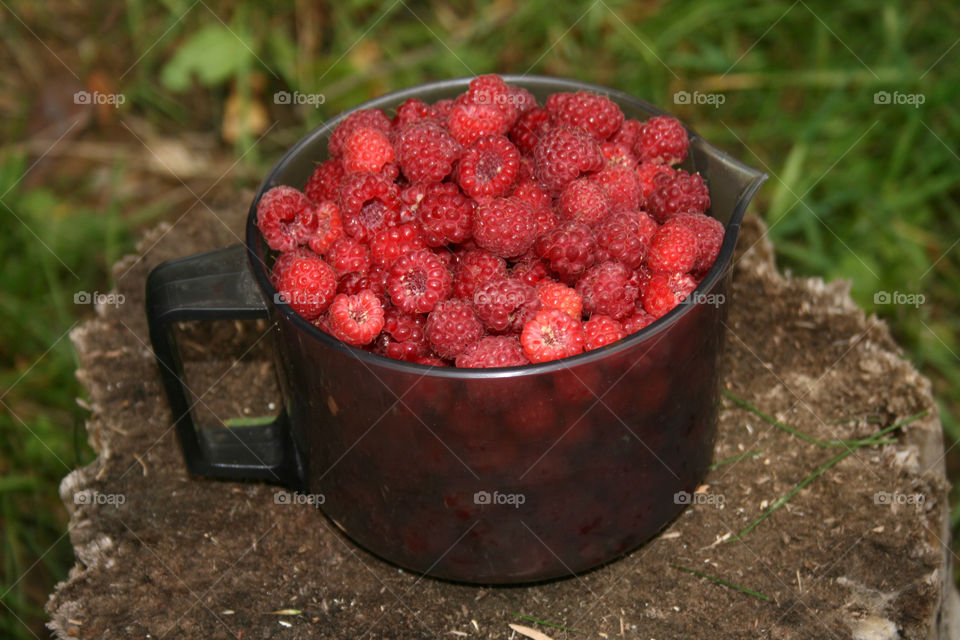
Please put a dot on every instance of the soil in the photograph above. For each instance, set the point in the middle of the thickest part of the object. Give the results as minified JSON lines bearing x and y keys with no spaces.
{"x":193,"y":558}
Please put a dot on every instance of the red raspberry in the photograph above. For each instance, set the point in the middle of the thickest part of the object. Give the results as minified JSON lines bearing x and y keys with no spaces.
{"x":505,"y":227}
{"x":404,"y":335}
{"x":389,"y":244}
{"x":546,"y":220}
{"x":628,"y":133}
{"x":528,"y":130}
{"x":522,"y":99}
{"x":551,"y":335}
{"x":417,"y":281}
{"x":625,"y":236}
{"x":662,"y":139}
{"x":476,"y":268}
{"x":425,"y":151}
{"x":348,"y":255}
{"x":488,"y":167}
{"x":468,"y":120}
{"x":555,"y":101}
{"x":390,"y":171}
{"x":601,"y":330}
{"x":357,"y":319}
{"x":505,"y":305}
{"x":307,"y":284}
{"x":445,"y":215}
{"x":622,"y":186}
{"x":646,"y":172}
{"x":673,"y":248}
{"x":404,"y":327}
{"x":607,"y":289}
{"x":618,"y":155}
{"x":373,"y":118}
{"x":709,"y":232}
{"x":677,"y":192}
{"x":491,"y":352}
{"x":285,"y":217}
{"x":568,"y":249}
{"x":555,"y":295}
{"x":368,"y":203}
{"x":452,"y":327}
{"x":491,"y":89}
{"x":640,"y":279}
{"x":563,"y":154}
{"x":665,"y":291}
{"x":530,"y":192}
{"x":443,"y":107}
{"x":375,"y":279}
{"x":531,"y":270}
{"x":639,"y":320}
{"x":324,"y":182}
{"x":367,"y":149}
{"x":284,"y":259}
{"x":408,"y":351}
{"x":412,"y":110}
{"x":597,"y":115}
{"x":410,"y":199}
{"x":585,"y":201}
{"x":328,"y":227}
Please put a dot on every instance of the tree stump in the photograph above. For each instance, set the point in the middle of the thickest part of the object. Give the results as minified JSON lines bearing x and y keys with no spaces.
{"x":862,"y":551}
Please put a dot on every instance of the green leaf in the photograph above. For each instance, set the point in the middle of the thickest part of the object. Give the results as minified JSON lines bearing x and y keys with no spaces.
{"x":214,"y":54}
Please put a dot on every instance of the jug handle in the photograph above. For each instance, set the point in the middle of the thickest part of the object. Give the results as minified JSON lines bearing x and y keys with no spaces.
{"x":216,"y":285}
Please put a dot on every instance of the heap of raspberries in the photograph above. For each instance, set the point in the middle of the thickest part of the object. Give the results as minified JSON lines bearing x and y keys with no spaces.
{"x":489,"y":231}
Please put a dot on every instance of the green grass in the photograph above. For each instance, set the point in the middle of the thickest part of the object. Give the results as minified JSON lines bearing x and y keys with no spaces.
{"x":858,"y":190}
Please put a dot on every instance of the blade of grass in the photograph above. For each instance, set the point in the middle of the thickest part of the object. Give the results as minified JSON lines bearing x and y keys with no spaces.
{"x":543,"y":622}
{"x":721,"y":581}
{"x":782,"y":500}
{"x":826,"y":444}
{"x":732,"y":459}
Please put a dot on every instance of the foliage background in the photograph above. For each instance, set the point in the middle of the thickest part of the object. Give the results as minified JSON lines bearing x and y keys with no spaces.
{"x":858,"y":190}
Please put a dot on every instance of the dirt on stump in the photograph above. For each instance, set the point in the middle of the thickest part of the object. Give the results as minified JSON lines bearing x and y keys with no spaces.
{"x":860,"y":552}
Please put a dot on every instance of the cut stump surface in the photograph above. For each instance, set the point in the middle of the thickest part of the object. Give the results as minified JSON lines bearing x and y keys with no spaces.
{"x":183,"y":557}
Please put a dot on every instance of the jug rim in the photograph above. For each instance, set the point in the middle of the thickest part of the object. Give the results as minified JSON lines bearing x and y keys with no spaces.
{"x":722,"y":264}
